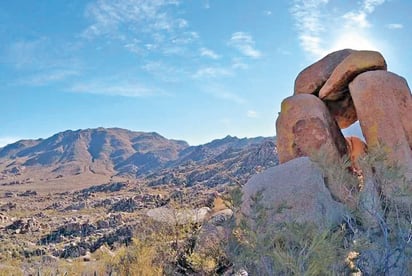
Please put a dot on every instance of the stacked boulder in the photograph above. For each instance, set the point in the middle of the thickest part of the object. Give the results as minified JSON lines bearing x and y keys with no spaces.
{"x":335,"y":92}
{"x":332,"y":94}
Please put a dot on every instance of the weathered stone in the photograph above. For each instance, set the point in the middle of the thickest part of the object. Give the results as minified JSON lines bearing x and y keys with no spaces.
{"x":305,"y":127}
{"x":311,"y":79}
{"x":173,"y":217}
{"x":356,"y":149}
{"x":403,"y":98}
{"x":292,"y":192}
{"x":357,"y":62}
{"x":343,"y":111}
{"x":383,"y":104}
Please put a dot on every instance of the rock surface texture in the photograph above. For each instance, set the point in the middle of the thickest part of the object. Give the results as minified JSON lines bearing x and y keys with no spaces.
{"x":303,"y":116}
{"x":292,"y":192}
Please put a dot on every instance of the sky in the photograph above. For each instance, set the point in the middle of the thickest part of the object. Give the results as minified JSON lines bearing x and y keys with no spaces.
{"x":194,"y":70}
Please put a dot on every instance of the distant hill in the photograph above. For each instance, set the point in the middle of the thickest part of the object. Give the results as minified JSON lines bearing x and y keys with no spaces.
{"x":119,"y":152}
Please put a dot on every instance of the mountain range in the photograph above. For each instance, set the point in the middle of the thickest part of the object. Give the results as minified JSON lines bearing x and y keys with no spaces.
{"x":150,"y":157}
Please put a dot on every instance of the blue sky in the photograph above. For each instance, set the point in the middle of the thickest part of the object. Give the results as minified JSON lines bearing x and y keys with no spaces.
{"x":190,"y":69}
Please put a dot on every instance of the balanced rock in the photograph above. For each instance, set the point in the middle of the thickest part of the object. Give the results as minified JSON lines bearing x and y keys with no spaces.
{"x":354,"y":64}
{"x":292,"y":192}
{"x":383,"y":104}
{"x":305,"y":127}
{"x":311,"y":79}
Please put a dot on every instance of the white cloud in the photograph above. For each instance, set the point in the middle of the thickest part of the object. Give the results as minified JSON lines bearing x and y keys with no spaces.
{"x":310,"y":24}
{"x":125,"y":89}
{"x":369,"y":5}
{"x":320,"y":30}
{"x":204,"y":52}
{"x":46,"y":78}
{"x":4,"y":141}
{"x":245,"y":44}
{"x":267,"y":13}
{"x":163,"y":71}
{"x":152,"y":21}
{"x":394,"y":26}
{"x":238,"y":63}
{"x":252,"y":114}
{"x":357,"y":19}
{"x":212,"y":72}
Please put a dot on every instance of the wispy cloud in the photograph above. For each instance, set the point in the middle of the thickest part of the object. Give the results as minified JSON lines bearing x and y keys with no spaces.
{"x":205,"y":52}
{"x":359,"y":17}
{"x":122,"y":20}
{"x":238,"y":63}
{"x":4,"y":141}
{"x":164,"y":72}
{"x":212,"y":72}
{"x":245,"y":44}
{"x":48,"y":77}
{"x":394,"y":26}
{"x":206,"y":4}
{"x":222,"y":93}
{"x":308,"y":18}
{"x":126,"y":89}
{"x":320,"y":30}
{"x":267,"y":13}
{"x":252,"y":114}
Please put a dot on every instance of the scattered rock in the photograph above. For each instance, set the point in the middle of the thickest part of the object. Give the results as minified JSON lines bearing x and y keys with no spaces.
{"x":23,"y":226}
{"x":221,"y":217}
{"x":28,"y":193}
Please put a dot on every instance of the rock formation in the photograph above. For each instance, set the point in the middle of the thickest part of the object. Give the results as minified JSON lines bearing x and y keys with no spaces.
{"x":347,"y":86}
{"x":333,"y":93}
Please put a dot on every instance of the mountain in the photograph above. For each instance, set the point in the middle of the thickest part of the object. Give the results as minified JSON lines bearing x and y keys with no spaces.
{"x":115,"y":152}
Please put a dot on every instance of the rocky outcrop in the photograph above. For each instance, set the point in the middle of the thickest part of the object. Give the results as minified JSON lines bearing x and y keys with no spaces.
{"x":304,"y":127}
{"x":292,"y":192}
{"x":347,"y":86}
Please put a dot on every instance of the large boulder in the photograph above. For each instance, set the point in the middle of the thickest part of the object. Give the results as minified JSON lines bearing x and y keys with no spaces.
{"x":311,"y":79}
{"x":383,"y":103}
{"x":305,"y":127}
{"x":357,"y":62}
{"x":292,"y":192}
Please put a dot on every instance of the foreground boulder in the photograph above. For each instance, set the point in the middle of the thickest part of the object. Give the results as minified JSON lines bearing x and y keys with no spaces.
{"x":292,"y":192}
{"x":383,"y":103}
{"x":304,"y":127}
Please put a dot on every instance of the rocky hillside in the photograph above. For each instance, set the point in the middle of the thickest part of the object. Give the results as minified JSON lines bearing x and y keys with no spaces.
{"x":101,"y":154}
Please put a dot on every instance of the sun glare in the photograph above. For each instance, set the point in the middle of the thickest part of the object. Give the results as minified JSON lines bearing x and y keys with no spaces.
{"x":355,"y":41}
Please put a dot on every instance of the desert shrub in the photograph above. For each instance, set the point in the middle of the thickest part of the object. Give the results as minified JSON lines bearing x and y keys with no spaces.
{"x":263,"y":248}
{"x":135,"y":260}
